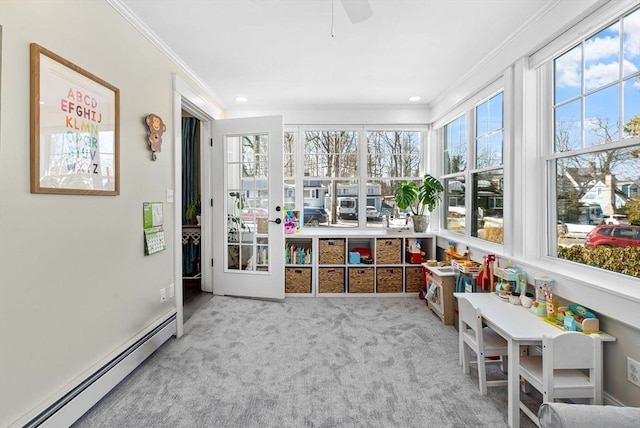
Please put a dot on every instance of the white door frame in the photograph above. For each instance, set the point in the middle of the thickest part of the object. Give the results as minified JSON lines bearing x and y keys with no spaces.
{"x":185,"y":97}
{"x":254,"y":282}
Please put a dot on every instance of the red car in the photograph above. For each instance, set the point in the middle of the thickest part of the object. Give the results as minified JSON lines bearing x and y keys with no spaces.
{"x":614,"y":236}
{"x":250,"y":215}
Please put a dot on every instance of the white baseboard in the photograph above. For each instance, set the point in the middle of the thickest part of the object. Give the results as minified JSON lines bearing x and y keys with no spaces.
{"x":77,"y":402}
{"x":610,"y":401}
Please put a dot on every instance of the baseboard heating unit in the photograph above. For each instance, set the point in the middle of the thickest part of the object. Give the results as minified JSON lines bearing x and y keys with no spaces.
{"x":69,"y":408}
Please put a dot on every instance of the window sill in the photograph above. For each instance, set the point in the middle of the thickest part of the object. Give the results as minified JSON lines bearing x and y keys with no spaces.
{"x":611,"y":294}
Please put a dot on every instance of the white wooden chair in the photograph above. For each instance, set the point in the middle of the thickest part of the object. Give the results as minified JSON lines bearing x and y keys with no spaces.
{"x":483,"y":341}
{"x":569,"y":367}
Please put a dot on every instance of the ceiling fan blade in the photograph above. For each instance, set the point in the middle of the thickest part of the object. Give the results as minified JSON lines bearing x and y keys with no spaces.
{"x":357,"y":10}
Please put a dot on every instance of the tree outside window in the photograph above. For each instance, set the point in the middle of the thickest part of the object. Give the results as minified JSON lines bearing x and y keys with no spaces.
{"x":596,"y":147}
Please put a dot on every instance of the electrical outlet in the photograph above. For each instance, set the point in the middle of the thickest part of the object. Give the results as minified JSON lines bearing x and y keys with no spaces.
{"x":163,"y":295}
{"x":633,"y":371}
{"x":172,"y":290}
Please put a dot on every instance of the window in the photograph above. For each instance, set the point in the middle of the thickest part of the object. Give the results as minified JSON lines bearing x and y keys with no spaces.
{"x":331,"y":168}
{"x":289,"y":174}
{"x":488,"y":176}
{"x":485,"y":173}
{"x":337,"y":177}
{"x":392,"y":156}
{"x":455,"y":166}
{"x":596,"y":127}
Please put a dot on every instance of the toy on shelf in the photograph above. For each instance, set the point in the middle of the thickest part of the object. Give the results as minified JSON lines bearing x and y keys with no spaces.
{"x":414,"y":251}
{"x":291,"y":221}
{"x":544,"y":286}
{"x":453,"y":254}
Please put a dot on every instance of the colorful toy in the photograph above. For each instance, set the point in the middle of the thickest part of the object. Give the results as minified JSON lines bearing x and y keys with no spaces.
{"x":513,"y":281}
{"x":575,"y":318}
{"x":452,"y":253}
{"x":485,"y":277}
{"x":290,"y":222}
{"x":543,"y":285}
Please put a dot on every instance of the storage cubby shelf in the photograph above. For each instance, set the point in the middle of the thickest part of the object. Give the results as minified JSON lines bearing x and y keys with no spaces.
{"x":329,"y":272}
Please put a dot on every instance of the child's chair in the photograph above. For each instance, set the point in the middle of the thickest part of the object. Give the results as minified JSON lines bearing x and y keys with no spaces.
{"x":483,"y":341}
{"x":569,"y":367}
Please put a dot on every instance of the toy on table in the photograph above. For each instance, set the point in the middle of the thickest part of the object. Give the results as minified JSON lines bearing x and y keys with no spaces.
{"x":544,"y":286}
{"x":485,"y":276}
{"x":452,"y":253}
{"x":513,"y":283}
{"x":526,"y":298}
{"x":576,"y":318}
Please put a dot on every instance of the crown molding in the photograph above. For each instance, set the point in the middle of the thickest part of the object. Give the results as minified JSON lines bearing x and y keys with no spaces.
{"x":139,"y":25}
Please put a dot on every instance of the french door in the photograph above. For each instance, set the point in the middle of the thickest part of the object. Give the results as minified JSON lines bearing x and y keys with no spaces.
{"x":247,"y":188}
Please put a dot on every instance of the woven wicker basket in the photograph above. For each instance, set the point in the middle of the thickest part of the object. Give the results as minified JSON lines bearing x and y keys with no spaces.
{"x":389,"y":280}
{"x":413,"y":279}
{"x":263,"y":225}
{"x":389,"y":251}
{"x":331,"y":280}
{"x":297,"y":280}
{"x":332,"y":251}
{"x":361,"y":280}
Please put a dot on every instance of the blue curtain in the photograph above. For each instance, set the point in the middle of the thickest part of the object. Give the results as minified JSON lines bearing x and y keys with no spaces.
{"x":190,"y":188}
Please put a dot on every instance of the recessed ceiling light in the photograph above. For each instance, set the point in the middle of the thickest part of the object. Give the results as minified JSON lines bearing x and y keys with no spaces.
{"x":414,"y":99}
{"x":241,"y":99}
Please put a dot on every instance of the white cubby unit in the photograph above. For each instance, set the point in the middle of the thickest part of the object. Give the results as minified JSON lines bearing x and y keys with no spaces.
{"x":335,"y":264}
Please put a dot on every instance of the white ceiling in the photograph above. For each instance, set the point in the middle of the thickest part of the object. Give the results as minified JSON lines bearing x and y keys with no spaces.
{"x":282,"y":53}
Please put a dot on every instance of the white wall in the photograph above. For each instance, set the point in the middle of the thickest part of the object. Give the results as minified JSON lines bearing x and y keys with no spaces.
{"x":338,"y":115}
{"x":75,"y":285}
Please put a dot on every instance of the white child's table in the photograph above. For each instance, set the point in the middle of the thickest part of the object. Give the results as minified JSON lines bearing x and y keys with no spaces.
{"x":519,"y":327}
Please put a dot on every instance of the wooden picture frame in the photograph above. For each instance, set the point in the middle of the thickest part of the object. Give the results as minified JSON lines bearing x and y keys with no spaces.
{"x":75,"y":128}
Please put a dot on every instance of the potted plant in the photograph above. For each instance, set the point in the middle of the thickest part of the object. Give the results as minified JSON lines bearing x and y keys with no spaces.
{"x":234,"y":217}
{"x":192,"y":214}
{"x":419,"y":198}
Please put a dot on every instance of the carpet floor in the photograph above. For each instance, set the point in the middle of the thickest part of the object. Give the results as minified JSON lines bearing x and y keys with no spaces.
{"x":306,"y":362}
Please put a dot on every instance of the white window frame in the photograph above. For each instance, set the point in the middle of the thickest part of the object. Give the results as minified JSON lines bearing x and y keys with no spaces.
{"x":362,"y":173}
{"x":580,"y":283}
{"x":468,"y":107}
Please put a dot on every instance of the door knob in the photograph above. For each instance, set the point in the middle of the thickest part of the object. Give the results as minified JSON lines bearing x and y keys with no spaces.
{"x":278,"y":208}
{"x":276,"y":221}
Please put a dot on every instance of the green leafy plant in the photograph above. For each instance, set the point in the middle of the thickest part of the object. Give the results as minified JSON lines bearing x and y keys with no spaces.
{"x":193,"y":210}
{"x":419,"y":198}
{"x":234,"y":218}
{"x":623,"y":260}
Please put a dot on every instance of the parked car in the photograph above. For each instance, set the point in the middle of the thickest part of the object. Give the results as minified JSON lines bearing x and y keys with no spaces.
{"x":614,"y":236}
{"x":314,"y":216}
{"x":615,"y":219}
{"x":250,"y":215}
{"x":562,"y":228}
{"x":372,"y":213}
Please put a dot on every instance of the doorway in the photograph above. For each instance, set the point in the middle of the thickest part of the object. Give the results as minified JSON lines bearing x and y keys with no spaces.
{"x":192,"y":294}
{"x":188,"y":102}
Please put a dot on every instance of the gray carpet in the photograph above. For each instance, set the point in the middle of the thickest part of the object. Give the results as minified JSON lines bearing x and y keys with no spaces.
{"x":305,"y":362}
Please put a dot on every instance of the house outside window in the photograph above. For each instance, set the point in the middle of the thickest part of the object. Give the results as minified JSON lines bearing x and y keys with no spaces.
{"x":336,"y":176}
{"x":392,"y":156}
{"x":289,"y":174}
{"x":484,"y":172}
{"x":455,"y":168}
{"x":488,"y":175}
{"x":595,"y":153}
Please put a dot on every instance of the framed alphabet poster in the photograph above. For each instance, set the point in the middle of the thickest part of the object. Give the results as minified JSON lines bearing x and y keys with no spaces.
{"x":74,"y":128}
